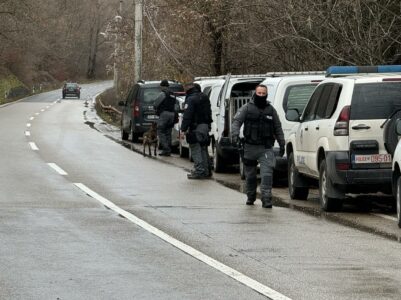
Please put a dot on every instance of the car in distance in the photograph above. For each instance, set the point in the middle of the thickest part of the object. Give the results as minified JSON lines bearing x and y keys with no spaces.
{"x":71,"y":89}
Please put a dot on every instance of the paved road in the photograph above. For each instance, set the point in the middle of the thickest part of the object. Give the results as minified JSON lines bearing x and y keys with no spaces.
{"x":60,"y":241}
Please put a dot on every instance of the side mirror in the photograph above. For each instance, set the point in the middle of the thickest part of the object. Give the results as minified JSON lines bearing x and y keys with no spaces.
{"x":398,"y":127}
{"x":121,"y":103}
{"x":293,"y":115}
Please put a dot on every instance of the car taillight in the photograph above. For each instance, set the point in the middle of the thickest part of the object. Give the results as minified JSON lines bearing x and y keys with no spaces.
{"x":135,"y":109}
{"x":341,"y":128}
{"x":342,"y":166}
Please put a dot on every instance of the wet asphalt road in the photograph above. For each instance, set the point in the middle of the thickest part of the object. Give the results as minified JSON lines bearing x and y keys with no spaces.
{"x":60,"y":243}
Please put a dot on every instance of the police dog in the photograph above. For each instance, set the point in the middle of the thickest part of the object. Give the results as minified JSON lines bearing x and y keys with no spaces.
{"x":149,"y":138}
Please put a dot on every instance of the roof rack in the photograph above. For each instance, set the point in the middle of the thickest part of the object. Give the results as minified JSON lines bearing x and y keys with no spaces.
{"x":268,"y":74}
{"x":338,"y":71}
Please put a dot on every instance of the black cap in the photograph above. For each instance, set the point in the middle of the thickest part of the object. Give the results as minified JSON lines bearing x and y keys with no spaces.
{"x":164,"y":82}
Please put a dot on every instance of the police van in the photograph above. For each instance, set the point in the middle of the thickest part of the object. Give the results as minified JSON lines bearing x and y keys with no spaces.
{"x":343,"y":138}
{"x":285,"y":89}
{"x":210,"y":86}
{"x":287,"y":92}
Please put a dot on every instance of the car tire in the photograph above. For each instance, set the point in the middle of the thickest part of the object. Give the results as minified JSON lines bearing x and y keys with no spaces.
{"x":218,"y":162}
{"x":398,"y":201}
{"x":389,"y":135}
{"x":124,"y":135}
{"x":134,"y":137}
{"x":327,"y":203}
{"x":241,"y":168}
{"x":296,"y":193}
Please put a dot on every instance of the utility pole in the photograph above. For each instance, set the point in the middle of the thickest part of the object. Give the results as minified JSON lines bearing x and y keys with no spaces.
{"x":138,"y":39}
{"x":117,"y":21}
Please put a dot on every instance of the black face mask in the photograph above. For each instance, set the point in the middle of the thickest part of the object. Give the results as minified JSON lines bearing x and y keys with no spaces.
{"x":260,"y":101}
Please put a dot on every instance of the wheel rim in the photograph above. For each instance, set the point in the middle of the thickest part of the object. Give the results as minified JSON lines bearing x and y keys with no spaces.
{"x":323,"y":188}
{"x":398,"y":200}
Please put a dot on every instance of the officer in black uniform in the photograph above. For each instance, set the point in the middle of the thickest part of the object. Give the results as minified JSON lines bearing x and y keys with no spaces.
{"x":165,"y":109}
{"x":262,"y":127}
{"x":196,"y":123}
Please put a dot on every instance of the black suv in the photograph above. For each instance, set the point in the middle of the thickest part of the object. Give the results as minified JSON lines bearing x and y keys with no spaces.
{"x":71,"y":89}
{"x":138,"y":112}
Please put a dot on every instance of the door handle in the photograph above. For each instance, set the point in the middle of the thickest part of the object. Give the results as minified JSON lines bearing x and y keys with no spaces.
{"x":360,"y":126}
{"x":317,"y":128}
{"x":306,"y":128}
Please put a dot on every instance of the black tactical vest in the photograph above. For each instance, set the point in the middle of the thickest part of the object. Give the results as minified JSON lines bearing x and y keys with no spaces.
{"x":168,"y":104}
{"x":258,"y":125}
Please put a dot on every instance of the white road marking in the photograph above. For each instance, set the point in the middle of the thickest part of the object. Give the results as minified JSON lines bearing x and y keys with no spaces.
{"x":33,"y":146}
{"x":386,"y":217}
{"x":37,"y":113}
{"x":28,"y":125}
{"x":253,"y":284}
{"x":31,"y":118}
{"x":27,"y":133}
{"x":57,"y":169}
{"x":48,"y":106}
{"x":42,"y":109}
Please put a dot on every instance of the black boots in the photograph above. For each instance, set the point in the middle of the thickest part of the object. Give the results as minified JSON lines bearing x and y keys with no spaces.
{"x":250,"y":201}
{"x":267,"y":202}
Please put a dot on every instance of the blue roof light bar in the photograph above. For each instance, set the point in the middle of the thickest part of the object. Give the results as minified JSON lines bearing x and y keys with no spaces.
{"x":347,"y":70}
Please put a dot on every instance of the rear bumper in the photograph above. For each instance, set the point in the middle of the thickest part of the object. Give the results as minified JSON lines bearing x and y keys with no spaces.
{"x":356,"y":180}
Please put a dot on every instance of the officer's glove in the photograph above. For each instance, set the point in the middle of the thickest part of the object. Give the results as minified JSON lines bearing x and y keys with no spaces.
{"x":235,"y":140}
{"x":281,"y":152}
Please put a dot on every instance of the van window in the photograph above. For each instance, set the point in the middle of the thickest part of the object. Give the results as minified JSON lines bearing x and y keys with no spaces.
{"x":375,"y":100}
{"x":297,"y":96}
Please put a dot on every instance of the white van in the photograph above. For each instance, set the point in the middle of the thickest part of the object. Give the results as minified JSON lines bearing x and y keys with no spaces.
{"x":288,"y":92}
{"x":210,"y":86}
{"x":236,"y":91}
{"x":285,"y":89}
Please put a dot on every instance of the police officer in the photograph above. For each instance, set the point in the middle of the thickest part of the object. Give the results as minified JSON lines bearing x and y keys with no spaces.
{"x":165,"y":109}
{"x":196,"y":123}
{"x":261,"y":127}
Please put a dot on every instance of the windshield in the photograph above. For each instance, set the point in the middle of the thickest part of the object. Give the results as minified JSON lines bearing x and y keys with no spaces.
{"x":375,"y":100}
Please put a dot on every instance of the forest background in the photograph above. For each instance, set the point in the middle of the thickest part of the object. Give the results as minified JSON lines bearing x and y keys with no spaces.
{"x":46,"y":42}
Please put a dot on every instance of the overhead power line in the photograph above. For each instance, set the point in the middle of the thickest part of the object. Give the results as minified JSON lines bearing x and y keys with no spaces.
{"x":163,"y":42}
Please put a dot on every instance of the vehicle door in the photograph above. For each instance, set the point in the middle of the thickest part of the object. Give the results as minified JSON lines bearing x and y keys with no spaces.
{"x":221,"y":104}
{"x":321,"y":127}
{"x":148,"y":96}
{"x":372,"y":103}
{"x":303,"y":137}
{"x":214,"y":94}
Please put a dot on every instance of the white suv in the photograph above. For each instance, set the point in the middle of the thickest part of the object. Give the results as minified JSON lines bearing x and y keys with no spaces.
{"x":342,"y":138}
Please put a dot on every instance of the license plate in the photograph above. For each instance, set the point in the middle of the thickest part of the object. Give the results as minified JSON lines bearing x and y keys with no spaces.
{"x":152,"y":117}
{"x":372,"y":159}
